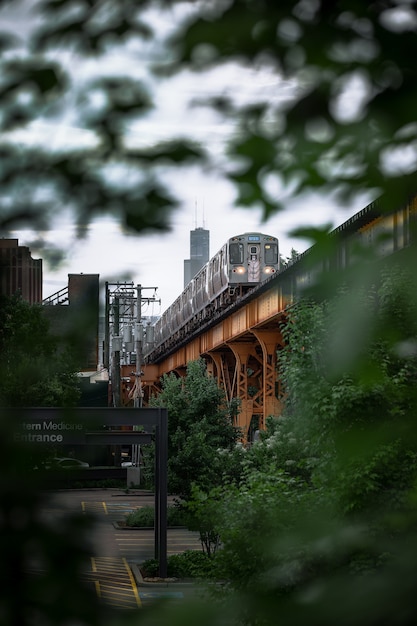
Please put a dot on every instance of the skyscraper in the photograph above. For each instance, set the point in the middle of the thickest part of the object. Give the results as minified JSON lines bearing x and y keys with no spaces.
{"x":199,"y":253}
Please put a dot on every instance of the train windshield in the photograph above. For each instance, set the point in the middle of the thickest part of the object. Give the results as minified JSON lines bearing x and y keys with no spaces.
{"x":271,"y":253}
{"x":236,"y":253}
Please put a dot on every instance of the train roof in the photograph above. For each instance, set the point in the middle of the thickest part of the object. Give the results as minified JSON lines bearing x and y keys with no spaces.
{"x":252,"y":232}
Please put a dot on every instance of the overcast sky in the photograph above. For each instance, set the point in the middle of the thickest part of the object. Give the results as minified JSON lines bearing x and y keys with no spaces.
{"x":158,"y":260}
{"x":206,"y":199}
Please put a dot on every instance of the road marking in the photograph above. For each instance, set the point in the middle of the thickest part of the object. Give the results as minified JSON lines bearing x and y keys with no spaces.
{"x":119,"y":509}
{"x":161,"y":594}
{"x":133,"y":582}
{"x":114,"y":582}
{"x":94,"y":507}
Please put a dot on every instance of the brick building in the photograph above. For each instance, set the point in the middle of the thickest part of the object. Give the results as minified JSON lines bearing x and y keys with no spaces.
{"x":19,"y":272}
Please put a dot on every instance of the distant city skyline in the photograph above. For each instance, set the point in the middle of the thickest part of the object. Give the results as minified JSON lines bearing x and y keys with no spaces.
{"x":199,"y":252}
{"x":157,"y":259}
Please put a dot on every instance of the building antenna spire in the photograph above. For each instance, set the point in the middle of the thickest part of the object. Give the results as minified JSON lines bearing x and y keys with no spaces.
{"x":195,"y":214}
{"x":204,"y":218}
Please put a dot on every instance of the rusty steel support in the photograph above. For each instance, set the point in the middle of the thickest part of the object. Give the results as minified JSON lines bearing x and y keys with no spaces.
{"x":219,"y":366}
{"x":269,"y":341}
{"x":217,"y":372}
{"x":225,"y":364}
{"x":181,"y":371}
{"x":242,"y":352}
{"x":212,"y":369}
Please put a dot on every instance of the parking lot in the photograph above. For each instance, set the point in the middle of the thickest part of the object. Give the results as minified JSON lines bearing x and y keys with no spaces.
{"x":116,"y":550}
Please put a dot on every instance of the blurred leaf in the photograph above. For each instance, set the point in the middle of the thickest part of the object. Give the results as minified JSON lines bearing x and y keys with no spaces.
{"x":173,"y":151}
{"x":90,"y":28}
{"x":149,"y":210}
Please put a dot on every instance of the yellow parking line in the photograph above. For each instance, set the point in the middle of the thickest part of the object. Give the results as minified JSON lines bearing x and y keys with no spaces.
{"x":94,"y":507}
{"x":132,"y":582}
{"x":114,"y":582}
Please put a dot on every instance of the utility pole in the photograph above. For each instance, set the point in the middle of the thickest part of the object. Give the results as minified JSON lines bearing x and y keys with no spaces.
{"x":138,"y":397}
{"x":116,"y":347}
{"x":139,"y":336}
{"x":137,"y":392}
{"x":123,"y":312}
{"x":124,"y":336}
{"x":116,"y":353}
{"x":123,"y":319}
{"x":106,"y":343}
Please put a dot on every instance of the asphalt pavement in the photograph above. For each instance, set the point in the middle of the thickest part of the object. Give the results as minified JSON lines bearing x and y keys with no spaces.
{"x":117,"y":551}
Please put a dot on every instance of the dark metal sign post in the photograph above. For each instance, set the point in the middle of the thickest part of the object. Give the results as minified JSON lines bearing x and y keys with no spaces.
{"x":93,"y":426}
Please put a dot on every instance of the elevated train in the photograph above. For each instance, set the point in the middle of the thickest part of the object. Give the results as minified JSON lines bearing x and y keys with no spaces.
{"x":243,"y":262}
{"x":246,"y":261}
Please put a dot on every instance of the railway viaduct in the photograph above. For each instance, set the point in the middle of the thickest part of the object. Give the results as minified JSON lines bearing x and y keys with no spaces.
{"x":240,"y":344}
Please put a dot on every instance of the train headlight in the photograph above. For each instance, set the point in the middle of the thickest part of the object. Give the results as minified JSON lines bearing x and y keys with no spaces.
{"x":269,"y":270}
{"x":239,"y":269}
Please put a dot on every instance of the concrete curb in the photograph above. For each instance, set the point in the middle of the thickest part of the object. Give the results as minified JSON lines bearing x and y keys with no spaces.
{"x":121,"y":526}
{"x":132,"y":492}
{"x":173,"y":583}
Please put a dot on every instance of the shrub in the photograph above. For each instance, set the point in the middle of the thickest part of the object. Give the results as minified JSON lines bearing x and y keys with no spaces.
{"x":149,"y":568}
{"x":144,"y":517}
{"x":189,"y":564}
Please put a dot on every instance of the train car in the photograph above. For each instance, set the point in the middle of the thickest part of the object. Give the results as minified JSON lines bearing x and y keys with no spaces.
{"x":251,"y":258}
{"x":241,"y":263}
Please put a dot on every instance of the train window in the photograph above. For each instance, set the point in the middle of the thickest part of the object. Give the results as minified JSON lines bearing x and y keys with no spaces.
{"x":236,"y":253}
{"x":271,"y":253}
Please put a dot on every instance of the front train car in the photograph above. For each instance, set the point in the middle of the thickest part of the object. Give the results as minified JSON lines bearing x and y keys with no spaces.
{"x":252,"y":257}
{"x":242,"y":262}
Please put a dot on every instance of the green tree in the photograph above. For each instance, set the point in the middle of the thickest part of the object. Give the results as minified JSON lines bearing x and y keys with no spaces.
{"x":321,"y":524}
{"x":287,"y":261}
{"x":202,"y":511}
{"x":352,"y":394}
{"x":35,"y":368}
{"x":200,"y":430}
{"x":345,"y":450}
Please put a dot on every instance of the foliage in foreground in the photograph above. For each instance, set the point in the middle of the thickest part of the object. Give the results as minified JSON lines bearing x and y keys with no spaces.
{"x":325,"y":515}
{"x":334,"y":113}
